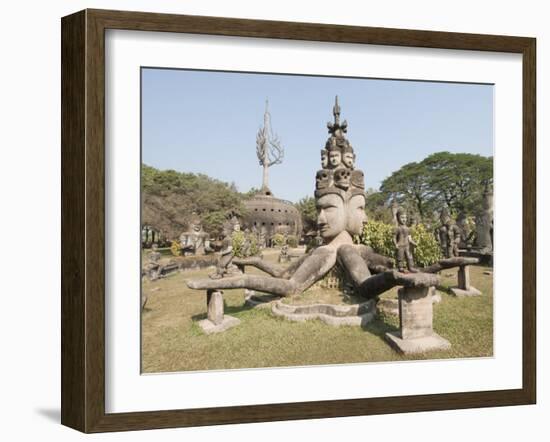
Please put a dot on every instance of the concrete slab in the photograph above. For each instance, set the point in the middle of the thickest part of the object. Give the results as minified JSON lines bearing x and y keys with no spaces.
{"x":417,"y":345}
{"x":472,"y":291}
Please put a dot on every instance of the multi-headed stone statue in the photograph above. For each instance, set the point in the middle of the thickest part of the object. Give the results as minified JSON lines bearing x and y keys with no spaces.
{"x":340,"y":202}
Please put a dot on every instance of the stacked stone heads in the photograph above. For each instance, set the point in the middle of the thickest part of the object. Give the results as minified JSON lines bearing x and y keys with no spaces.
{"x":338,"y":174}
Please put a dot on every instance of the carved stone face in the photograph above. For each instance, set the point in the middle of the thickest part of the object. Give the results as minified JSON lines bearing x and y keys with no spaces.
{"x":196,"y":227}
{"x":402,"y":218}
{"x":342,"y":178}
{"x":349,"y":159}
{"x":358,"y":179}
{"x":324,"y":159}
{"x":331,"y":216}
{"x":322,"y":179}
{"x":335,"y":158}
{"x":356,"y":216}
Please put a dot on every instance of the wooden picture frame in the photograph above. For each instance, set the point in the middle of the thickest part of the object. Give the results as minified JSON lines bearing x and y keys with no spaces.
{"x":83,"y":220}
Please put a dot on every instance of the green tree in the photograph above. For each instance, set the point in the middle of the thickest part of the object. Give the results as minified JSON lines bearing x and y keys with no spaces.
{"x":457,"y":180}
{"x":410,"y":186}
{"x":169,"y":199}
{"x":308,"y":210}
{"x":443,"y":179}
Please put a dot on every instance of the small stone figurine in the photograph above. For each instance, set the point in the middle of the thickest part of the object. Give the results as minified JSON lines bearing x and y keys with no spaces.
{"x":402,"y":241}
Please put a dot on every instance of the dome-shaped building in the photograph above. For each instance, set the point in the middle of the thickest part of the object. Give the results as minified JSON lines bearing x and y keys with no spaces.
{"x":268,"y":215}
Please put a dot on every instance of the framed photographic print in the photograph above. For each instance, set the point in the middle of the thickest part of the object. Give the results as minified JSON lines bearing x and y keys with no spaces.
{"x":270,"y":220}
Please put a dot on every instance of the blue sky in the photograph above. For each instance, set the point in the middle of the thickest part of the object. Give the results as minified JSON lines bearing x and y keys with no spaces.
{"x":206,"y":122}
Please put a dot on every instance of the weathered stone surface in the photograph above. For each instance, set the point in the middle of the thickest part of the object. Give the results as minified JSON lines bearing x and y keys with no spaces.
{"x":209,"y":327}
{"x":335,"y":315}
{"x":415,"y":312}
{"x":391,"y":306}
{"x":402,"y":240}
{"x":449,"y":263}
{"x":214,"y":301}
{"x":340,"y":202}
{"x":464,"y":277}
{"x":448,"y":235}
{"x":416,"y":333}
{"x":195,"y":241}
{"x":417,"y":345}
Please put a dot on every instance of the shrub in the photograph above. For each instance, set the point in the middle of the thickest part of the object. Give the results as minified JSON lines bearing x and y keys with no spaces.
{"x":175,"y":248}
{"x":254,"y":246}
{"x":427,"y":250}
{"x":278,"y":240}
{"x":292,"y":241}
{"x":379,"y":236}
{"x":238,"y":240}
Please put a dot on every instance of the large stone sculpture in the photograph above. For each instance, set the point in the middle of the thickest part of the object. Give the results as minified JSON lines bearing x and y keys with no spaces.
{"x":195,"y":241}
{"x":340,"y":201}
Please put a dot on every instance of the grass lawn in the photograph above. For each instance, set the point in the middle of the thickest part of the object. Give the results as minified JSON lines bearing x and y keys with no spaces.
{"x":172,"y":340}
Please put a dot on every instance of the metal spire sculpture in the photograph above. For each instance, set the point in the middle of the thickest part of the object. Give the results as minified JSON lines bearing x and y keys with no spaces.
{"x":268,"y":148}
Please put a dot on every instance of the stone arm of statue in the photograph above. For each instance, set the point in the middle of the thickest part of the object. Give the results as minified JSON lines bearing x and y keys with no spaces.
{"x":271,"y":268}
{"x":359,"y":261}
{"x":412,"y":241}
{"x":312,"y":268}
{"x":449,"y":263}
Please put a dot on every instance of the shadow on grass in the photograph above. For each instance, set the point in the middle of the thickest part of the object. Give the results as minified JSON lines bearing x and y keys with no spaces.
{"x":227,"y":310}
{"x":379,"y":326}
{"x":445,"y":289}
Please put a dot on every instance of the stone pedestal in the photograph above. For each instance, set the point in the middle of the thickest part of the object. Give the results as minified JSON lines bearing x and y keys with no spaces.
{"x":464,"y":288}
{"x":416,"y":333}
{"x":216,"y":320}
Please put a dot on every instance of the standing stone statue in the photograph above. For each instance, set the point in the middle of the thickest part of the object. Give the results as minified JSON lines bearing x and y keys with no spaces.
{"x":484,"y":223}
{"x":402,"y":240}
{"x":448,"y":235}
{"x":153,"y":267}
{"x":195,"y":241}
{"x":283,"y":255}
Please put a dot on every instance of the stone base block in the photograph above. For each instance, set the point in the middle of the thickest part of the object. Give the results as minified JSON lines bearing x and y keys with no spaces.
{"x":472,"y":291}
{"x":336,"y":315}
{"x":209,"y":327}
{"x":417,"y":345}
